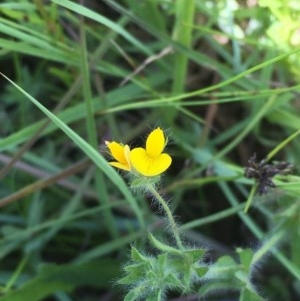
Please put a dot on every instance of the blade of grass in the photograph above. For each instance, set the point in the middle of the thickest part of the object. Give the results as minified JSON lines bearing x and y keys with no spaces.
{"x":95,"y":156}
{"x":101,"y":188}
{"x":212,"y":218}
{"x":77,"y":112}
{"x":183,"y":35}
{"x":108,"y":247}
{"x":258,"y":233}
{"x":73,"y":204}
{"x":83,"y":11}
{"x":65,"y":277}
{"x":24,"y":234}
{"x":282,"y":144}
{"x":29,"y":189}
{"x":185,"y":11}
{"x":29,"y":142}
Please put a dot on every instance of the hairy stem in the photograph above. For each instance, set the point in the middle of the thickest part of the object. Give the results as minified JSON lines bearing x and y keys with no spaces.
{"x":170,"y":217}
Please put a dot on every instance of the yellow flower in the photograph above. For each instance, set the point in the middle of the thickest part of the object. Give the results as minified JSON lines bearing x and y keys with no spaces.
{"x":120,"y":153}
{"x":151,"y":161}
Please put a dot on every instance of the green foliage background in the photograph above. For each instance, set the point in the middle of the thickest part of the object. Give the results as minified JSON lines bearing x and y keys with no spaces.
{"x":220,"y":77}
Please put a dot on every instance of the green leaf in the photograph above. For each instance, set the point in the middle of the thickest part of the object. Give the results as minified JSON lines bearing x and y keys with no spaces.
{"x":224,"y":268}
{"x":152,"y":298}
{"x":130,"y":278}
{"x":162,"y":264}
{"x":91,"y":152}
{"x":156,"y":296}
{"x":201,"y":271}
{"x":242,"y":276}
{"x":137,"y":256}
{"x":131,"y":296}
{"x":173,"y":282}
{"x":195,"y":254}
{"x":83,"y":11}
{"x":247,"y":295}
{"x":217,"y":287}
{"x":285,"y":119}
{"x":246,"y":256}
{"x":135,"y":273}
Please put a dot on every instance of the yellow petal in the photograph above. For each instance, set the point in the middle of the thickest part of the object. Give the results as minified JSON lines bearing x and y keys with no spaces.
{"x":127,"y":154}
{"x":120,"y":153}
{"x":117,"y":151}
{"x":120,"y":166}
{"x":149,"y":166}
{"x":155,"y":142}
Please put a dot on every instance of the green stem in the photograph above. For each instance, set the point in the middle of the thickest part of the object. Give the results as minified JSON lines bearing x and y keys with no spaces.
{"x":182,"y":34}
{"x":92,"y":132}
{"x":164,"y":204}
{"x":185,"y":11}
{"x":11,"y":282}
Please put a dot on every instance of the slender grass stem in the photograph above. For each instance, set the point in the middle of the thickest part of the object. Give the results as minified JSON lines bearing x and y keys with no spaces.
{"x":16,"y":274}
{"x":92,"y":134}
{"x":183,"y":34}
